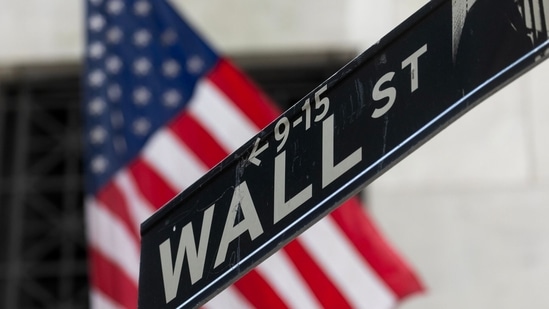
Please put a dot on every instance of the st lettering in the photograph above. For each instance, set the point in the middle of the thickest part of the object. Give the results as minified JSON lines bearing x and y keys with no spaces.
{"x":382,"y":92}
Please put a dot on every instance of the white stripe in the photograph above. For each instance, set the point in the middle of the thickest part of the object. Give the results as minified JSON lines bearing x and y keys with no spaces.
{"x":347,"y":269}
{"x":139,"y":208}
{"x":285,"y":279}
{"x":176,"y":163}
{"x":110,"y":236}
{"x":223,"y":119}
{"x":229,"y":298}
{"x":99,"y":300}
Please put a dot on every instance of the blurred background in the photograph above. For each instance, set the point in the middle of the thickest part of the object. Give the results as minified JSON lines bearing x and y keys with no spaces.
{"x":468,"y":210}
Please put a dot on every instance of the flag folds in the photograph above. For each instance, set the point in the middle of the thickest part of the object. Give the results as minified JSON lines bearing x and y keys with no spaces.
{"x":161,"y":108}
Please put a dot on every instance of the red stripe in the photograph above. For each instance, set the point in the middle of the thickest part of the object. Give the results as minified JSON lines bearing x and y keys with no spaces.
{"x":111,"y":197}
{"x":111,"y":281}
{"x":243,"y":93}
{"x":198,"y":139}
{"x":361,"y":231}
{"x":323,"y":288}
{"x":153,"y":187}
{"x":258,"y":292}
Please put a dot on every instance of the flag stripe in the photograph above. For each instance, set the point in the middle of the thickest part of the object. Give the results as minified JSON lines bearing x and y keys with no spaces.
{"x":100,"y":300}
{"x":229,"y":298}
{"x":366,"y":239}
{"x":228,"y":125}
{"x":258,"y":292}
{"x":173,"y":160}
{"x":281,"y":274}
{"x":198,"y":139}
{"x":344,"y":265}
{"x":138,"y":208}
{"x":325,"y":291}
{"x":242,"y":92}
{"x":108,"y":235}
{"x":112,"y":199}
{"x":121,"y":290}
{"x":152,"y":186}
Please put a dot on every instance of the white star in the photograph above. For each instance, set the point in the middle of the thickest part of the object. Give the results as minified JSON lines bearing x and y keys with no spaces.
{"x":142,"y":8}
{"x":96,"y":107}
{"x":99,"y":164}
{"x":114,"y":35}
{"x":96,"y":22}
{"x":115,"y":7}
{"x":171,"y":98}
{"x":96,"y":2}
{"x":141,"y":96}
{"x":141,"y":126}
{"x":117,"y":119}
{"x":98,"y":135}
{"x":168,"y":37}
{"x":96,"y":50}
{"x":195,"y":65}
{"x":96,"y":78}
{"x":142,"y":38}
{"x":113,"y":64}
{"x":114,"y":92}
{"x":142,"y":66}
{"x":170,"y":68}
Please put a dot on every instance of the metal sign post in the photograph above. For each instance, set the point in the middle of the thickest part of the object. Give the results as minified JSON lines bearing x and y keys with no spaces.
{"x":429,"y":71}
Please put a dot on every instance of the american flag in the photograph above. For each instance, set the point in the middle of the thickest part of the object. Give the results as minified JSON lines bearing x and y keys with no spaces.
{"x":161,"y":108}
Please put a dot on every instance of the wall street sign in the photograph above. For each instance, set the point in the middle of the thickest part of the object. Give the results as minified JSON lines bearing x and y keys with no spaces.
{"x":384,"y":104}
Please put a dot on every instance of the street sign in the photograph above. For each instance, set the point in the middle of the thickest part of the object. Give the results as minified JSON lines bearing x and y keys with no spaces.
{"x":373,"y":112}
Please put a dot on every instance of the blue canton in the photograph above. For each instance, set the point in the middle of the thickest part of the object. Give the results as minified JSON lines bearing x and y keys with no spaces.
{"x":142,"y":64}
